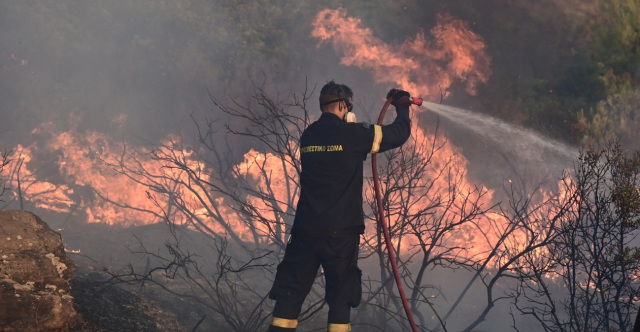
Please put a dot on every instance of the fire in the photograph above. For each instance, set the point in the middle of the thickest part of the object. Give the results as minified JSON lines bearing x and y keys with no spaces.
{"x":275,"y":184}
{"x":427,"y":66}
{"x":424,"y":66}
{"x":125,"y":185}
{"x":269,"y":174}
{"x":438,"y":200}
{"x":113,"y":183}
{"x":82,"y":163}
{"x":26,"y":186}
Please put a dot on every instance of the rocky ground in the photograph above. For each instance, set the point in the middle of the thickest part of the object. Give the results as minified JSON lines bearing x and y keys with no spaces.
{"x":106,"y":306}
{"x":119,"y":308}
{"x":42,"y":263}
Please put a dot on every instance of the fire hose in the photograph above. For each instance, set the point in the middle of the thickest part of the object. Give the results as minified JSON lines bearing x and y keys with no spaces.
{"x":383,"y":224}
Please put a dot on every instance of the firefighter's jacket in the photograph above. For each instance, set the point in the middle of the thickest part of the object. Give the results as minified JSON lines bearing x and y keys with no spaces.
{"x":332,"y":154}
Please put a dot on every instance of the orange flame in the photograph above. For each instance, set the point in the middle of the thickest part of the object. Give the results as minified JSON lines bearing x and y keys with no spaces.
{"x":124,"y":185}
{"x":445,"y":190}
{"x":27,"y":186}
{"x":426,"y":67}
{"x":90,"y":163}
{"x":275,"y":183}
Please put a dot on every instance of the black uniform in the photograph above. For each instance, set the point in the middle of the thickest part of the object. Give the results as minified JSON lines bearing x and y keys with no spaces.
{"x":329,"y":217}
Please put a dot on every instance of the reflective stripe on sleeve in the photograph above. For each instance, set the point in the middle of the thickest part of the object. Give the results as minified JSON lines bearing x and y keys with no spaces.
{"x":339,"y":328}
{"x":377,"y":139}
{"x":284,"y":323}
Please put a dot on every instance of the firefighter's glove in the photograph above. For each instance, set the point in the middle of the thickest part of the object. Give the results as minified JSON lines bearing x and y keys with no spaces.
{"x":401,"y":98}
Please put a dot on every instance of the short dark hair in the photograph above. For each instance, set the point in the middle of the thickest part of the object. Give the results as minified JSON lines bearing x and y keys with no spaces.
{"x":332,"y":91}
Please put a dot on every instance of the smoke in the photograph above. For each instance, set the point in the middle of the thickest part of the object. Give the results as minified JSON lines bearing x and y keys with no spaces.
{"x":82,"y":60}
{"x":127,"y":68}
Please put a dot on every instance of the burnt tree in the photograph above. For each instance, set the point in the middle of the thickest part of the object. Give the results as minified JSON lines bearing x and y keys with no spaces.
{"x":588,"y":279}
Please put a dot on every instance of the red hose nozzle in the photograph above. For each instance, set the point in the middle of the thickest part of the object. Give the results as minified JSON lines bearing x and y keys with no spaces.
{"x":416,"y":101}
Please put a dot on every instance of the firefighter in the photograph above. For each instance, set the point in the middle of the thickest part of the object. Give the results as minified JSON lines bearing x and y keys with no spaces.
{"x":329,"y":218}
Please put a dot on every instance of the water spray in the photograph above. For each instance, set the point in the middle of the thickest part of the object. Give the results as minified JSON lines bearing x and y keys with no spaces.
{"x":383,"y":224}
{"x":526,"y":143}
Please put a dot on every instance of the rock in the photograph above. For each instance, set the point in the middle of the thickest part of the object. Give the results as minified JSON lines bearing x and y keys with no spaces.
{"x":34,"y":276}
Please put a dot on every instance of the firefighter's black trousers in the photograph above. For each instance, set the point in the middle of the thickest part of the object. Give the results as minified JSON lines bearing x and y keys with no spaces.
{"x":338,"y":255}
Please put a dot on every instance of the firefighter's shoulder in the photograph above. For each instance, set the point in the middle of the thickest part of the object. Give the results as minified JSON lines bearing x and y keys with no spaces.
{"x":358,"y":125}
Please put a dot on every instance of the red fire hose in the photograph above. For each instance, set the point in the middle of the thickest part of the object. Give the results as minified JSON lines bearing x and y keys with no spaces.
{"x":383,"y":224}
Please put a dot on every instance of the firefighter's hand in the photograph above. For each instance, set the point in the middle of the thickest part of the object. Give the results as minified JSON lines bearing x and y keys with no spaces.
{"x":401,"y":98}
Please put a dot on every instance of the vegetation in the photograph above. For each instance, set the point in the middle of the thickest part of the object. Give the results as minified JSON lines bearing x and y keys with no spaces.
{"x":588,"y":279}
{"x":612,"y":70}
